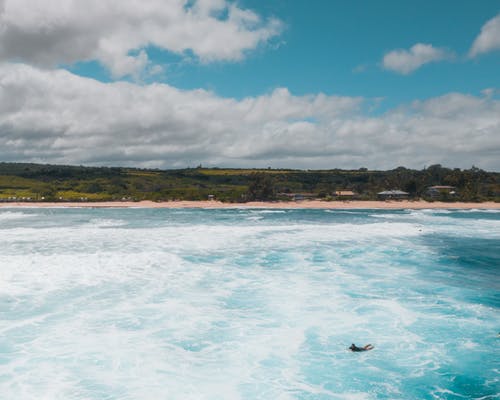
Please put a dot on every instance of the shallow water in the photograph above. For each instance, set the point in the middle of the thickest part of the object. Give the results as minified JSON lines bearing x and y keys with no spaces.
{"x":249,"y":304}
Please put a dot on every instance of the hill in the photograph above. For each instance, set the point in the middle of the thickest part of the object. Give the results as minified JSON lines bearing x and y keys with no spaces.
{"x":39,"y":182}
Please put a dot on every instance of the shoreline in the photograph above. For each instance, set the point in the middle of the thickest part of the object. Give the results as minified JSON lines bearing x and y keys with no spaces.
{"x":305,"y":204}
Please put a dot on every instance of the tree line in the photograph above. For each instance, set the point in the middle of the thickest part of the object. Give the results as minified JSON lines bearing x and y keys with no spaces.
{"x":42,"y":182}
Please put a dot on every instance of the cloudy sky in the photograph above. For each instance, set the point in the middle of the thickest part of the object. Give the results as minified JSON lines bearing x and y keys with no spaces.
{"x":251,"y":83}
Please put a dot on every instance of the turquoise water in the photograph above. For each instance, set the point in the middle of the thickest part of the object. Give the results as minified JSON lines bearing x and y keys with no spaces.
{"x":249,"y":304}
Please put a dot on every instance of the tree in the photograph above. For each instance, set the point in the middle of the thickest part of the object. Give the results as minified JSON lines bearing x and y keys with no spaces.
{"x":261,"y":187}
{"x":411,"y":187}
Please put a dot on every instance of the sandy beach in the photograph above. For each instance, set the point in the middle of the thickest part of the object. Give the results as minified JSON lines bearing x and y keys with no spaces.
{"x":312,"y":204}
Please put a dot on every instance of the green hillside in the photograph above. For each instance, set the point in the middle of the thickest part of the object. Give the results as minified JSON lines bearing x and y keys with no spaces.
{"x":37,"y":182}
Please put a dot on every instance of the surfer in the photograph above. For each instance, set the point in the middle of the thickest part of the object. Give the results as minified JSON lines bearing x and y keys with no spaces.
{"x":356,"y":348}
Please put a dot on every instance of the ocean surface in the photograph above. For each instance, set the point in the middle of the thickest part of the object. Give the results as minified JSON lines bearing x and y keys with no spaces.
{"x":151,"y":304}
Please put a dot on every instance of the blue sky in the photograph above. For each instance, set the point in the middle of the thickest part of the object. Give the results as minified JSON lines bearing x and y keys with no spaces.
{"x":251,"y":83}
{"x":336,"y":47}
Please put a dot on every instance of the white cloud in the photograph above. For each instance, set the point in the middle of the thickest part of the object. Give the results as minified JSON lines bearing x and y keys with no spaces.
{"x":406,"y":61}
{"x":489,"y":92}
{"x":115,"y":32}
{"x":489,"y":38}
{"x":58,"y":117}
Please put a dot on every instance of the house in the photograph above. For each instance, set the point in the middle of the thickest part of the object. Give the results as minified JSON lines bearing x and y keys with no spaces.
{"x":392,"y":194}
{"x":440,"y":191}
{"x":345,"y":194}
{"x":297,"y":196}
{"x":303,"y":196}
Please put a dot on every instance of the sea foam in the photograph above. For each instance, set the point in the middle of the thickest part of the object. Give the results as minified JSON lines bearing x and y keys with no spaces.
{"x":216,"y":304}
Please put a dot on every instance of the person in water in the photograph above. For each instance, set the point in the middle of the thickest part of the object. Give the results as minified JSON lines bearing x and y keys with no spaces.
{"x":356,"y":348}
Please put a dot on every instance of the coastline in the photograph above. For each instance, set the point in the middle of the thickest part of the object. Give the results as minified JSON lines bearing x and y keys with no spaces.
{"x":309,"y":204}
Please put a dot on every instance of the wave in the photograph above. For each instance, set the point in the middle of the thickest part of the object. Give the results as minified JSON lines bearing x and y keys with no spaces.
{"x":105,"y":223}
{"x":12,"y":215}
{"x":270,"y":304}
{"x":267,"y":211}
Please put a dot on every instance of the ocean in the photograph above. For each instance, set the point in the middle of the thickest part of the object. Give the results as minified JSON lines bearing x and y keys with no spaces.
{"x":149,"y":304}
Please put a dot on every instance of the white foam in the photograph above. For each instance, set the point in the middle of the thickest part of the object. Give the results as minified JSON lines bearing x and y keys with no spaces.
{"x":13,"y":215}
{"x":479,"y":210}
{"x":104,"y":223}
{"x":228,"y":311}
{"x":469,"y":344}
{"x":254,"y":218}
{"x":386,"y":216}
{"x":268,"y":211}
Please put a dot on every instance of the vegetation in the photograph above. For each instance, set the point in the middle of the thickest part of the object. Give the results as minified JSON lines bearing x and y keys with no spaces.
{"x":38,"y":182}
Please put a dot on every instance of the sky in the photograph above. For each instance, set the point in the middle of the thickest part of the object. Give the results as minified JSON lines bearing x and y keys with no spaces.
{"x":251,"y":83}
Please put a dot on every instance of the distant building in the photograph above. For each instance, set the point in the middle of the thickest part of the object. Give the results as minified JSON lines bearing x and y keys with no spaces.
{"x":392,"y":194}
{"x":345,"y":194}
{"x":303,"y":196}
{"x":297,"y":196}
{"x":440,"y":191}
